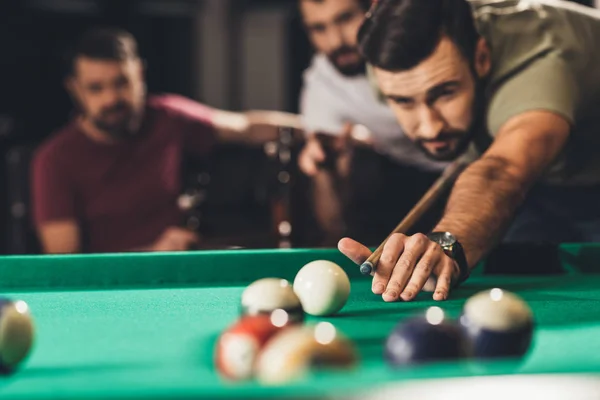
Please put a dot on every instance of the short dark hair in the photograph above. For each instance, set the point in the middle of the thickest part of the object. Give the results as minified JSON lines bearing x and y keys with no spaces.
{"x":365,"y":4}
{"x":103,"y":44}
{"x":400,"y":34}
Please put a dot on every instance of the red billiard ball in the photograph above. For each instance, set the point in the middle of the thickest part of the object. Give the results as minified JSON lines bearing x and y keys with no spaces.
{"x":238,"y":347}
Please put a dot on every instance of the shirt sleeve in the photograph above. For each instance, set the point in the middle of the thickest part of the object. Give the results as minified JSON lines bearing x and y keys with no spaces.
{"x":545,"y":84}
{"x":53,"y":197}
{"x":199,"y":132}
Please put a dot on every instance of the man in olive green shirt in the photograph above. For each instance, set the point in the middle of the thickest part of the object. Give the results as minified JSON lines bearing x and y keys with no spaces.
{"x":512,"y":85}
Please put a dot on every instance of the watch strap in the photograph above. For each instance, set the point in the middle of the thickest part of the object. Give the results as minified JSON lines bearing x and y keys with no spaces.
{"x":455,"y":252}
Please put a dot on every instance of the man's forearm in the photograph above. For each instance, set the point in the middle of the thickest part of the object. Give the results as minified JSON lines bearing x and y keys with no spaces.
{"x":482,"y":205}
{"x":327,"y":203}
{"x":253,"y":127}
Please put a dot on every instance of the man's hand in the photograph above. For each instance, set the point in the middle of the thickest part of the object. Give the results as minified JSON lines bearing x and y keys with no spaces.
{"x":320,"y":146}
{"x":175,"y":239}
{"x":407,"y":265}
{"x":311,"y":156}
{"x":60,"y":237}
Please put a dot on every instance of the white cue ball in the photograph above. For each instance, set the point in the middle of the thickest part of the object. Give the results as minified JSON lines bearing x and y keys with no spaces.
{"x":323,"y":287}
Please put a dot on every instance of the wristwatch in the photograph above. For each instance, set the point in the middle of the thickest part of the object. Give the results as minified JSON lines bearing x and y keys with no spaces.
{"x":454,"y":250}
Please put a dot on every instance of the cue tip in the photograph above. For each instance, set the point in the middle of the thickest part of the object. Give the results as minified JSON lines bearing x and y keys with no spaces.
{"x":366,"y":268}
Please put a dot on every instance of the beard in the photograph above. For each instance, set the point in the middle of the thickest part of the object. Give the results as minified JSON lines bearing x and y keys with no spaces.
{"x":116,"y":120}
{"x":462,"y":138}
{"x":349,"y":70}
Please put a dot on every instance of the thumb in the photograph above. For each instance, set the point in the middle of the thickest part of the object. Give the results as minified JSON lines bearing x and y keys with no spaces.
{"x":345,"y":137}
{"x":347,"y":130}
{"x":355,"y":251}
{"x":317,"y":152}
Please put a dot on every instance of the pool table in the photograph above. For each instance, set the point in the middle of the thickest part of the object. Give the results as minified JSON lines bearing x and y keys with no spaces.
{"x":144,"y":326}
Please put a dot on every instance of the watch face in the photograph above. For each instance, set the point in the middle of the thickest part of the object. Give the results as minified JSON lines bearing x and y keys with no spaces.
{"x":444,"y":239}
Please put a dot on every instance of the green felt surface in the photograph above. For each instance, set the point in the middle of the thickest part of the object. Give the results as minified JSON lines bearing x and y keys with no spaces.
{"x":144,"y":326}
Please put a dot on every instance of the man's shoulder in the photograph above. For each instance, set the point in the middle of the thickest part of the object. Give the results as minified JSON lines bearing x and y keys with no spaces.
{"x":322,"y":72}
{"x":324,"y":84}
{"x":552,"y":26}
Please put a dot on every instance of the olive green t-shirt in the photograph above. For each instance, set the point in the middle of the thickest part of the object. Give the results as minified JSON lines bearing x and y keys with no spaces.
{"x":546,"y":56}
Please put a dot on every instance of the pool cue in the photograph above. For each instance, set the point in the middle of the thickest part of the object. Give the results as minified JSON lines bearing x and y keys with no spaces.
{"x":444,"y":182}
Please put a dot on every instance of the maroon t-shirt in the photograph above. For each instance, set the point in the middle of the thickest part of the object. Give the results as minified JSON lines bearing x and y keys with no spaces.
{"x":123,"y":196}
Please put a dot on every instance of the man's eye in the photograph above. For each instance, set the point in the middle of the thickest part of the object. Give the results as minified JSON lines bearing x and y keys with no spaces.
{"x":447,"y":93}
{"x":405,"y":103}
{"x":317,"y":29}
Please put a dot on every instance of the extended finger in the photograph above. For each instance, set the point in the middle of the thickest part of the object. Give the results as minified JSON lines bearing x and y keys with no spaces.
{"x":355,"y":251}
{"x":308,"y":166}
{"x":316,"y":152}
{"x":392,"y":250}
{"x":423,"y":271}
{"x":414,"y":248}
{"x":444,"y":280}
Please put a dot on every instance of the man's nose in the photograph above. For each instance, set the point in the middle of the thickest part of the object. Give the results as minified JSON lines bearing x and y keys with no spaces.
{"x":430,"y":123}
{"x":335,"y":39}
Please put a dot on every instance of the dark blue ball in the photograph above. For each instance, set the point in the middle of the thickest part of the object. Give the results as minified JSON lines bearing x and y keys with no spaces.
{"x":426,"y":339}
{"x":498,"y":324}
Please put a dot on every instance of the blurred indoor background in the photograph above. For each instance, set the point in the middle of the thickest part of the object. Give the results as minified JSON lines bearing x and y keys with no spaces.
{"x":231,"y":54}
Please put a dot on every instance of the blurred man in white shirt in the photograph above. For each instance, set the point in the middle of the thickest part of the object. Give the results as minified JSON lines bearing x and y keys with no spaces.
{"x":338,"y":100}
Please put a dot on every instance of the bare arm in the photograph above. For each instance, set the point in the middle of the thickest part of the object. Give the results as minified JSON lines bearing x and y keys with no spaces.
{"x":60,"y":237}
{"x":487,"y":194}
{"x":480,"y":207}
{"x":253,"y":127}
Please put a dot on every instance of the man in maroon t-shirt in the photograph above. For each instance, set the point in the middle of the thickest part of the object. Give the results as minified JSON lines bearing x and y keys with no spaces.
{"x":109,"y":180}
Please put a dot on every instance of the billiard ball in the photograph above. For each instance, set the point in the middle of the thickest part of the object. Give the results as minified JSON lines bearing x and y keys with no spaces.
{"x":323,"y":287}
{"x":16,"y":334}
{"x":425,"y":339}
{"x":498,"y":323}
{"x":268,"y":294}
{"x":238,"y":347}
{"x":298,"y":350}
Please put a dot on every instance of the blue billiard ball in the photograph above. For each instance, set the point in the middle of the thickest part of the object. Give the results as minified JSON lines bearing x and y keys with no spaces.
{"x":499,"y":324}
{"x":16,"y":334}
{"x":430,"y":338}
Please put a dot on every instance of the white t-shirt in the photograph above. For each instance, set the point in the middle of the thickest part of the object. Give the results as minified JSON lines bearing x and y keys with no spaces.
{"x":329,"y":100}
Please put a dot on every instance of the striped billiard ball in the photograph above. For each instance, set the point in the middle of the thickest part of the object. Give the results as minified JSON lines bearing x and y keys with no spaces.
{"x":16,"y":334}
{"x":498,"y":323}
{"x":239,"y":345}
{"x":268,"y":294}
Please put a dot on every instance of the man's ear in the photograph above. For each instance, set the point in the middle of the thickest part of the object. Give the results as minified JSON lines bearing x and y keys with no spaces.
{"x":72,"y":90}
{"x":483,"y":58}
{"x":70,"y":86}
{"x":143,"y":66}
